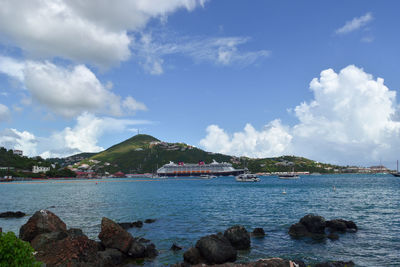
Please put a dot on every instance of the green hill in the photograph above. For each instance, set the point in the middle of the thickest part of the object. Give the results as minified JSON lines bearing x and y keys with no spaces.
{"x":144,"y":153}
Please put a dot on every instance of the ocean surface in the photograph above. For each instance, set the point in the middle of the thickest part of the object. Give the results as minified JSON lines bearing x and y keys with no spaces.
{"x":186,"y":209}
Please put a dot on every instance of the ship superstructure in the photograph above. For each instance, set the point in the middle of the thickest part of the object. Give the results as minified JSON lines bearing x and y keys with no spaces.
{"x":214,"y":168}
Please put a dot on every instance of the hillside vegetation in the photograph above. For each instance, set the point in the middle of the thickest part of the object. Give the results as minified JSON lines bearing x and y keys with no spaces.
{"x":144,"y":154}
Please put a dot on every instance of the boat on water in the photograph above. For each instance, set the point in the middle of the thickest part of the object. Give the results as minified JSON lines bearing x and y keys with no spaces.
{"x":206,"y":176}
{"x":213,"y":169}
{"x":247,"y":177}
{"x":288,"y":176}
{"x":397,"y":173}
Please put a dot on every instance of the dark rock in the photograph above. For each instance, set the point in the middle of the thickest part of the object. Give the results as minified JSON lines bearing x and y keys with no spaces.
{"x":298,"y":230}
{"x":150,"y":220}
{"x":138,"y":224}
{"x":126,"y":225}
{"x":75,"y":232}
{"x":336,"y":226}
{"x":351,"y":226}
{"x":114,"y":236}
{"x":175,"y":247}
{"x":137,"y":250}
{"x":150,"y":251}
{"x":315,"y":224}
{"x":1,"y":230}
{"x":43,"y":240}
{"x":299,"y":263}
{"x":143,"y":240}
{"x":79,"y":251}
{"x":238,"y":237}
{"x":273,"y":262}
{"x":335,"y":264}
{"x":12,"y":214}
{"x":333,"y":236}
{"x":216,"y":249}
{"x":41,"y":222}
{"x":258,"y":232}
{"x":110,"y":257}
{"x":193,"y":256}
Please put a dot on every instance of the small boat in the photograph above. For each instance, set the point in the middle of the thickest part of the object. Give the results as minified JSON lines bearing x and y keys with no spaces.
{"x":289,"y":176}
{"x":206,"y":176}
{"x":247,"y":177}
{"x":397,"y":173}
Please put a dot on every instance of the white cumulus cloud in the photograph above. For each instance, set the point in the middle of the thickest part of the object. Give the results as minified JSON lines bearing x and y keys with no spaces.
{"x":352,"y":119}
{"x":273,"y":140}
{"x":82,"y":137}
{"x":355,"y":24}
{"x":68,"y":91}
{"x":91,"y":31}
{"x":14,"y":139}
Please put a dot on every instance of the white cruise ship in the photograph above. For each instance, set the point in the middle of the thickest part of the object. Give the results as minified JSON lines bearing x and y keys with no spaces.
{"x":214,"y":168}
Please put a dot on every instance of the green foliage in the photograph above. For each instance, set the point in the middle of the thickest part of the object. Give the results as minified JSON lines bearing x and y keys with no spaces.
{"x":15,"y":253}
{"x":61,"y":173}
{"x":138,"y":155}
{"x":18,"y":166}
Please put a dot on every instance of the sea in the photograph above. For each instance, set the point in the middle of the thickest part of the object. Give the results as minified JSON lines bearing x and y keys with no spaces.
{"x":186,"y":209}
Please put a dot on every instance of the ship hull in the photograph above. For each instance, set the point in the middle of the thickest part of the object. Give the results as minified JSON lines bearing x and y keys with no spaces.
{"x":193,"y":174}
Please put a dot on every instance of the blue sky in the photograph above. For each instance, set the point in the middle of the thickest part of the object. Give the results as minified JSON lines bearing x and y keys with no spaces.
{"x":228,"y":76}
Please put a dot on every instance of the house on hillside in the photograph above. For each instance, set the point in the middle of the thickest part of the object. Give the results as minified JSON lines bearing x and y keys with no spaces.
{"x":39,"y":169}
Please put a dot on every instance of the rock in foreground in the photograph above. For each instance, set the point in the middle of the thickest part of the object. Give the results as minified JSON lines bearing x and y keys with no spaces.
{"x":315,"y":226}
{"x":57,"y":246}
{"x":216,"y":249}
{"x":238,"y":237}
{"x":43,"y":221}
{"x":114,"y":236}
{"x":219,"y":248}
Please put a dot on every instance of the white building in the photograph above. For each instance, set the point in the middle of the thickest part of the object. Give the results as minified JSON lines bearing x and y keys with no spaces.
{"x":37,"y":169}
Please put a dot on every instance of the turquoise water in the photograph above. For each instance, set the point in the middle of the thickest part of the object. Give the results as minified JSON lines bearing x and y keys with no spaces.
{"x":188,"y":209}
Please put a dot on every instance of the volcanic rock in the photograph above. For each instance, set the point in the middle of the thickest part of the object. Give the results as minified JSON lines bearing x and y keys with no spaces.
{"x":125,"y":225}
{"x":298,"y":230}
{"x":258,"y":232}
{"x":114,"y":236}
{"x":216,"y":249}
{"x":336,"y":226}
{"x":12,"y":214}
{"x":41,"y":222}
{"x":175,"y":247}
{"x":315,"y":224}
{"x":150,"y":220}
{"x":138,"y":224}
{"x":110,"y":257}
{"x":193,"y":256}
{"x":238,"y":237}
{"x":335,"y":264}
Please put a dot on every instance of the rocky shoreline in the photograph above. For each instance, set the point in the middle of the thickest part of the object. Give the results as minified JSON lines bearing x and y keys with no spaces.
{"x":55,"y":245}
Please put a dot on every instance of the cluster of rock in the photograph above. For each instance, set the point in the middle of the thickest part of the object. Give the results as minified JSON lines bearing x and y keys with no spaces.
{"x":137,"y":224}
{"x":12,"y":214}
{"x":218,"y":248}
{"x":55,"y":245}
{"x":316,"y":226}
